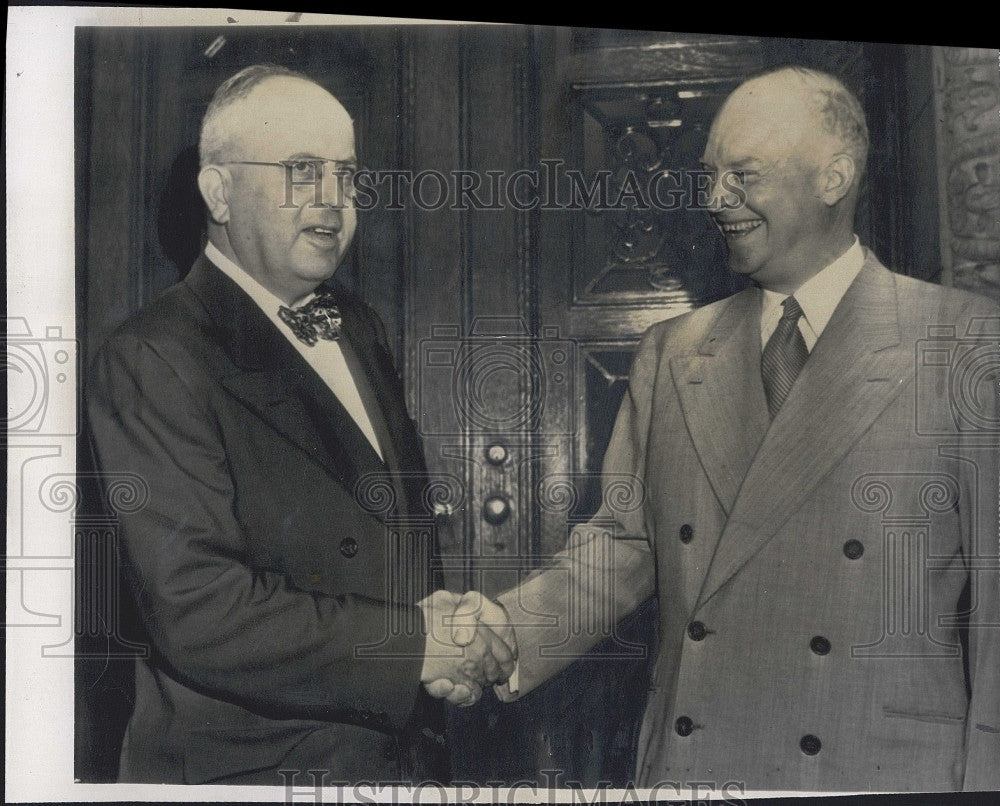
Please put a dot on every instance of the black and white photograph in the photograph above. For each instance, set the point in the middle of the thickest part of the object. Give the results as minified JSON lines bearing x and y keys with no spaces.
{"x":431,"y":411}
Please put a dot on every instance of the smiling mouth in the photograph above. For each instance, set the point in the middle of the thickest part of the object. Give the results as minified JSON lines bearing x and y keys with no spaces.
{"x":737,"y":229}
{"x":324,"y":232}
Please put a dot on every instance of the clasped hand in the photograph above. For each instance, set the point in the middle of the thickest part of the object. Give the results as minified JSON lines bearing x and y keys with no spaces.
{"x":470,"y":644}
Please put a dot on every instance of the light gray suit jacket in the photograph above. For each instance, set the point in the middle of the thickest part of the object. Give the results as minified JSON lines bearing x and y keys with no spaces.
{"x":810,"y":570}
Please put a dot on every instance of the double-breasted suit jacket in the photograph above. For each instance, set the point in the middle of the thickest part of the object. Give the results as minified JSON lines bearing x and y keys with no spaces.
{"x":827,"y":581}
{"x":279,"y":605}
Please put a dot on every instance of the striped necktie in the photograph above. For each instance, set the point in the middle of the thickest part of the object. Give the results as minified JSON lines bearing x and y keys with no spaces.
{"x":784,"y":356}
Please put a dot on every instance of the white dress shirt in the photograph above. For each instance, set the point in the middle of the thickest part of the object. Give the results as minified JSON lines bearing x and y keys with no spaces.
{"x":818,"y":297}
{"x":326,"y":357}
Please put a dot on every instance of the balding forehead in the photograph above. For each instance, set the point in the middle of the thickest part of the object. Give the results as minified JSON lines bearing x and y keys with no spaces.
{"x":280,"y":117}
{"x":793,"y":88}
{"x":280,"y":102}
{"x":767,"y":119}
{"x":785,"y":100}
{"x":764,"y":106}
{"x":291,"y":94}
{"x":782,"y":89}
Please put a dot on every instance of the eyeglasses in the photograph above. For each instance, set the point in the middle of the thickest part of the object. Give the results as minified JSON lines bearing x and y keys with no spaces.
{"x":310,"y":171}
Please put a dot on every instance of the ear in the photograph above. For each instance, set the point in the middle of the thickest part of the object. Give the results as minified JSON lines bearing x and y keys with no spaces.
{"x":213,"y":182}
{"x":837,"y":179}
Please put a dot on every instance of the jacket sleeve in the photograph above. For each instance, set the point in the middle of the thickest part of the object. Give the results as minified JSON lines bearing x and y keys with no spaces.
{"x":221,"y":627}
{"x":980,"y":451}
{"x":607,"y":568}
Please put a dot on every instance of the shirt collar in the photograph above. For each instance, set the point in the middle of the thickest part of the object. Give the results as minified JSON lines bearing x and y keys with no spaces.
{"x":820,"y":294}
{"x":265,"y":300}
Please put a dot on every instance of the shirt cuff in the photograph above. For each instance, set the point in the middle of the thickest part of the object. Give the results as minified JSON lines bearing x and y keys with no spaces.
{"x":509,"y":690}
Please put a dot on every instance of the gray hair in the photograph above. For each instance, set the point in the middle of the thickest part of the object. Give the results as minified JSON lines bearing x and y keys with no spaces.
{"x":215,"y":139}
{"x":836,"y":107}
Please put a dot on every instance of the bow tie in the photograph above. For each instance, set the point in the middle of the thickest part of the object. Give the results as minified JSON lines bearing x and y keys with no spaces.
{"x":317,"y":319}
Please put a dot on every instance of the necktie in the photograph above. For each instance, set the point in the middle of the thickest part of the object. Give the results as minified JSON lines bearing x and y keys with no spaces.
{"x":317,"y":319}
{"x":784,"y":356}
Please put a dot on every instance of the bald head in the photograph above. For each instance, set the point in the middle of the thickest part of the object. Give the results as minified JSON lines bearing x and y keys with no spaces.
{"x":802,"y":104}
{"x":259,"y":105}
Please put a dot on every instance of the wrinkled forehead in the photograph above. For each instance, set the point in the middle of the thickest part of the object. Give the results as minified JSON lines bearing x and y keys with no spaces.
{"x":285,"y":116}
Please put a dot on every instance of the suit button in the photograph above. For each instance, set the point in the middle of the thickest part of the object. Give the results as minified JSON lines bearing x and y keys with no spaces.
{"x":810,"y":744}
{"x":684,"y":726}
{"x":687,"y":533}
{"x":348,"y":547}
{"x":853,"y":549}
{"x":820,"y":645}
{"x":314,"y":578}
{"x":697,"y":631}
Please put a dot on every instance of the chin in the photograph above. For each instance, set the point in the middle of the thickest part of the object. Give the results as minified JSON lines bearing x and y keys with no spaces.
{"x":320,"y":271}
{"x":743,"y":267}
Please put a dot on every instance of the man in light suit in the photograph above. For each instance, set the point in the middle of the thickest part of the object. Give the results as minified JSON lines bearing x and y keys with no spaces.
{"x":288,"y":617}
{"x":818,"y":459}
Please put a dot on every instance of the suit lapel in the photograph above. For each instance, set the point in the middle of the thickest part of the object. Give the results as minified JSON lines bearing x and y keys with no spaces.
{"x":856,"y":368}
{"x":282,"y":398}
{"x":383,"y":397}
{"x":722,"y":395}
{"x":277,"y":384}
{"x":404,"y":456}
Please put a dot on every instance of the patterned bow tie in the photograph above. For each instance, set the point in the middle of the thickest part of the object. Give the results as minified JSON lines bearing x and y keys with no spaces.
{"x":317,"y":319}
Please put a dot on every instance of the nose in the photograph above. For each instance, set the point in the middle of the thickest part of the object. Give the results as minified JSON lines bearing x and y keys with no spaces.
{"x":724,"y":192}
{"x":323,"y":212}
{"x":335,"y":220}
{"x":332,"y":194}
{"x":338,"y":190}
{"x":713,"y":192}
{"x":326,"y":191}
{"x":714,"y":195}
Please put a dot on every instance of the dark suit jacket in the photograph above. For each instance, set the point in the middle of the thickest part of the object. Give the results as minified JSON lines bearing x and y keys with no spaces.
{"x":277,"y":560}
{"x":810,"y":570}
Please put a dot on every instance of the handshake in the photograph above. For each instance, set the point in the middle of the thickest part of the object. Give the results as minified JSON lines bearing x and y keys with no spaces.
{"x":470,"y":644}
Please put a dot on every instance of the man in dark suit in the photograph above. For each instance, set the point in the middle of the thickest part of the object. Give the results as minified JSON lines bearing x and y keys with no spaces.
{"x":818,"y":456}
{"x":291,"y":621}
